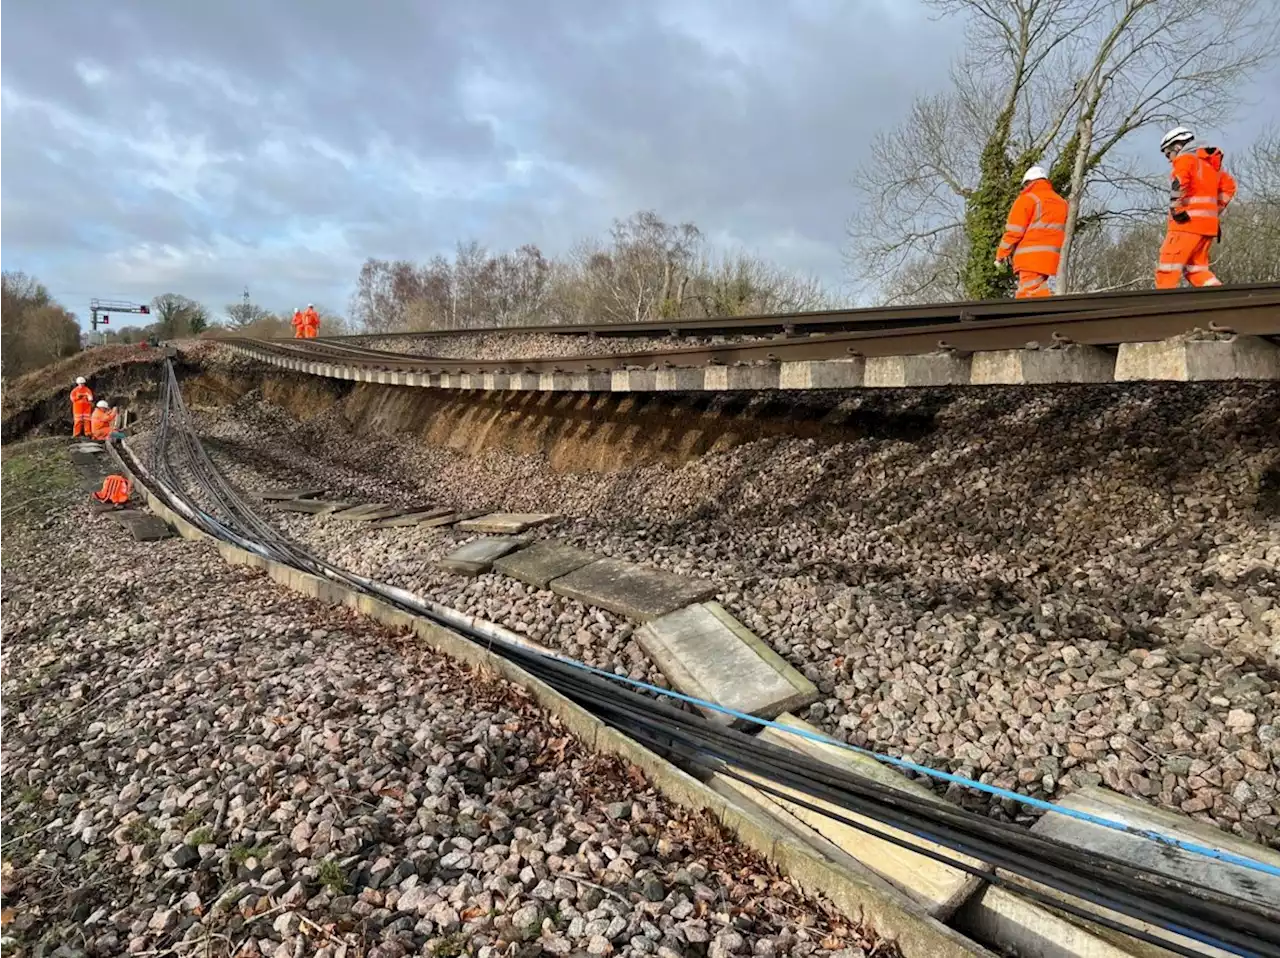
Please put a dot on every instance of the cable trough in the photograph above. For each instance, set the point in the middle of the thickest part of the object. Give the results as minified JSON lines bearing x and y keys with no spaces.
{"x":1034,"y":866}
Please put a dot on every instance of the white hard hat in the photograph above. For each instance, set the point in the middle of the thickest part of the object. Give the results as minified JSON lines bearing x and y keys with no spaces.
{"x":102,"y":404}
{"x":311,"y":305}
{"x":1176,"y":137}
{"x":79,"y":380}
{"x":1034,"y":173}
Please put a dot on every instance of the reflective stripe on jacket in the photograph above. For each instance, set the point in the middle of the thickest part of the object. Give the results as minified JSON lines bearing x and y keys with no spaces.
{"x":1199,"y":190}
{"x":1036,"y":229}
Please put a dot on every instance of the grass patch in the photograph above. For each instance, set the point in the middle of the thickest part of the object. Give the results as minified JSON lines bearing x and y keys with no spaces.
{"x":34,"y":476}
{"x":450,"y":946}
{"x":141,"y":832}
{"x":332,"y":876}
{"x":242,"y":853}
{"x":201,"y":836}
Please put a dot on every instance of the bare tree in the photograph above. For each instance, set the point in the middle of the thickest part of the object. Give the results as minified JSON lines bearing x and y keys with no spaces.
{"x":243,"y":316}
{"x":36,"y":330}
{"x":178,"y":315}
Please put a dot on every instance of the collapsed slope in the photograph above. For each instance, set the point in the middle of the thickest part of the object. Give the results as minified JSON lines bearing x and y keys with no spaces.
{"x":1037,"y":587}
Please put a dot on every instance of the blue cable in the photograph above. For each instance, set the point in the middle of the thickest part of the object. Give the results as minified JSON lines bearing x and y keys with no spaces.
{"x":1169,"y":840}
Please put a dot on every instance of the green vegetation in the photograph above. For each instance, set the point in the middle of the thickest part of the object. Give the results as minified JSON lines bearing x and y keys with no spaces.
{"x":201,"y":836}
{"x":332,"y":876}
{"x":141,"y":832}
{"x":450,"y":946}
{"x":35,"y":476}
{"x":242,"y":853}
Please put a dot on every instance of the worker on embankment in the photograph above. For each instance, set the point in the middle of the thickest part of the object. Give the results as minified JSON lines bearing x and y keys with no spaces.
{"x":311,"y":322}
{"x":116,"y":490}
{"x":1034,"y":234}
{"x":102,"y":421}
{"x":299,"y":324}
{"x":1199,"y":190}
{"x":81,"y":408}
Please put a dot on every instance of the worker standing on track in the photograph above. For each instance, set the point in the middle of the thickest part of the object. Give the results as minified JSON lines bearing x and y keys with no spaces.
{"x":81,"y":408}
{"x":1034,"y":234}
{"x":311,"y":322}
{"x":299,"y":321}
{"x":102,"y":421}
{"x":1199,"y":190}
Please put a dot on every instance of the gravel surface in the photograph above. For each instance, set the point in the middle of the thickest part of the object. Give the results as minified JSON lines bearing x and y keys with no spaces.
{"x":198,"y":761}
{"x":1039,"y":588}
{"x":491,"y":346}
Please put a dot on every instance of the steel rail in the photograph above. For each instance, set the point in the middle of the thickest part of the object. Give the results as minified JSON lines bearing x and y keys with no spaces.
{"x":850,"y":320}
{"x":1202,"y":914}
{"x":1256,"y":314}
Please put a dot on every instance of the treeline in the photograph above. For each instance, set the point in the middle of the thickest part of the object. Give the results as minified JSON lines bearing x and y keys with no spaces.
{"x":645,"y":269}
{"x":36,"y":330}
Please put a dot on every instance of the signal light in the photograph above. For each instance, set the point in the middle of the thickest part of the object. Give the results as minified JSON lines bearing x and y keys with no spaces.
{"x":106,"y":320}
{"x":145,"y":310}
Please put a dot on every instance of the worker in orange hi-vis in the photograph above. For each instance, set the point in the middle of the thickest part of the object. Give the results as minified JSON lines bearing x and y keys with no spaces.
{"x":102,"y":421}
{"x":1199,"y":190}
{"x":299,"y":324}
{"x":1034,"y":234}
{"x":311,"y":322}
{"x":115,"y":490}
{"x":81,"y":407}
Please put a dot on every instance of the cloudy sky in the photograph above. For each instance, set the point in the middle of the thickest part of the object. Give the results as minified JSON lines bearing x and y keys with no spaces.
{"x":152,"y":145}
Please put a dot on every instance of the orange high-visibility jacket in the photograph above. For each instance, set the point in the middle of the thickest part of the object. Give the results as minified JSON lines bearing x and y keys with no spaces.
{"x":115,"y":489}
{"x":81,"y":400}
{"x":101,"y":423}
{"x":1199,"y":190}
{"x":1036,"y":229}
{"x":298,"y":319}
{"x":311,"y":318}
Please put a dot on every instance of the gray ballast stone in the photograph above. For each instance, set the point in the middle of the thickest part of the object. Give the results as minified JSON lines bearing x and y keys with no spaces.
{"x":1066,"y":364}
{"x":275,"y":495}
{"x":708,"y":654}
{"x":636,"y":591}
{"x":505,"y":523}
{"x":1257,"y":887}
{"x":1196,"y":360}
{"x":930,"y":369}
{"x":478,"y":555}
{"x":542,"y":562}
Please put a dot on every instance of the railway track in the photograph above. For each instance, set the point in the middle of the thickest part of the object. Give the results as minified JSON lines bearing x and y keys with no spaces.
{"x":867,"y":319}
{"x":1247,"y":311}
{"x":1006,"y":855}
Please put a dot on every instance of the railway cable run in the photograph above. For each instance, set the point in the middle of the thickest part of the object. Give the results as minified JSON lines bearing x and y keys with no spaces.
{"x":1014,"y":858}
{"x":1245,"y":311}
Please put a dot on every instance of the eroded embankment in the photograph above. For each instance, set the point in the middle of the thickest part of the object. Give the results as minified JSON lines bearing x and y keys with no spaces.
{"x":575,"y":432}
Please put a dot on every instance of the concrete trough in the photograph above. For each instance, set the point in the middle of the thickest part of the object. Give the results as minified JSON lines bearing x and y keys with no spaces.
{"x":1065,"y":364}
{"x":1199,"y":360}
{"x":1257,"y":887}
{"x":478,"y":555}
{"x":823,"y":374}
{"x":761,"y":376}
{"x":543,"y":562}
{"x":639,"y":592}
{"x":927,"y":369}
{"x":710,"y":655}
{"x":505,"y":523}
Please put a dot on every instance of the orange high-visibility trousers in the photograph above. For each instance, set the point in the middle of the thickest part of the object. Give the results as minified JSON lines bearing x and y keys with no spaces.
{"x":1185,"y":253}
{"x":81,"y":426}
{"x":1032,"y":285}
